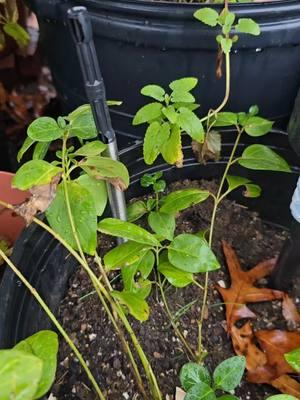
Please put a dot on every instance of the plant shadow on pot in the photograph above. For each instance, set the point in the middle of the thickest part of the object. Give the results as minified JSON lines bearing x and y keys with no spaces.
{"x":48,"y":266}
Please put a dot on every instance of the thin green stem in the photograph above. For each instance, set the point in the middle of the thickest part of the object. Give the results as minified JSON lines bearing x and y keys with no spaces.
{"x":55,"y":322}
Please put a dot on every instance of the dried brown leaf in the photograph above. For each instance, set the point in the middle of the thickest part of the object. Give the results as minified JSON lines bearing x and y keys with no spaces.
{"x":288,"y":385}
{"x":210,"y":149}
{"x":289,"y":310}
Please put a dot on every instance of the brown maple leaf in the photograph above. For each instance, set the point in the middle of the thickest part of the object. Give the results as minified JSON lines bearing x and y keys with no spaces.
{"x":242,"y":289}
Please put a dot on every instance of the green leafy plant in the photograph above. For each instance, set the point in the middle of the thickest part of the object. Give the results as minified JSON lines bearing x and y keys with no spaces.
{"x":293,"y":359}
{"x":9,"y":16}
{"x":199,"y":384}
{"x":27,"y":371}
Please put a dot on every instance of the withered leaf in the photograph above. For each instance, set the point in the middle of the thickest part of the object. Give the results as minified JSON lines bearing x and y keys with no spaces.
{"x":288,"y":385}
{"x":289,"y":310}
{"x":40,"y":200}
{"x":210,"y":149}
{"x":242,"y":289}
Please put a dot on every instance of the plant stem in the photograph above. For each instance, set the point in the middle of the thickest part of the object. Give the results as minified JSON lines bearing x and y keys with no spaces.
{"x":217,"y":199}
{"x":55,"y":322}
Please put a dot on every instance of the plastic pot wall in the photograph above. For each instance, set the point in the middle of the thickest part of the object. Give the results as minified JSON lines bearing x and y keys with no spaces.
{"x":48,"y":266}
{"x":141,"y":42}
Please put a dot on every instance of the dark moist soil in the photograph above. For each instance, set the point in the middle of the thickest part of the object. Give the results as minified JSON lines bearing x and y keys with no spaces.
{"x":86,"y":321}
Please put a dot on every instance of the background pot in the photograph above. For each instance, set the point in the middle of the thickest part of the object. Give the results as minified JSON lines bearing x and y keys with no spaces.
{"x":143,"y":41}
{"x":10,"y":225}
{"x":48,"y":266}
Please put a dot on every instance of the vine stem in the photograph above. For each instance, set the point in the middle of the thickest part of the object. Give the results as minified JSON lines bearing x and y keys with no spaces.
{"x":217,"y":199}
{"x":55,"y":322}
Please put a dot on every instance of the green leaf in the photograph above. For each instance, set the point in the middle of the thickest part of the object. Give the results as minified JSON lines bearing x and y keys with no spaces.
{"x":192,"y":373}
{"x":136,"y":210}
{"x":125,"y":254}
{"x":171,"y":150}
{"x":191,"y":124}
{"x":236,"y":181}
{"x":14,"y":30}
{"x":282,"y":397}
{"x":200,"y":391}
{"x":44,"y":345}
{"x":33,"y":173}
{"x":127,"y":230}
{"x":170,"y":113}
{"x":228,"y":22}
{"x":154,"y":135}
{"x":91,"y":149}
{"x":229,"y":373}
{"x":180,"y":96}
{"x":20,"y":374}
{"x":247,"y":25}
{"x":28,"y":142}
{"x":257,"y":126}
{"x":228,"y":397}
{"x":83,"y":126}
{"x":191,"y":253}
{"x":147,"y":113}
{"x":128,"y":272}
{"x":207,"y":15}
{"x":84,"y":216}
{"x":183,"y":84}
{"x":97,"y":189}
{"x":252,"y":190}
{"x":154,"y":91}
{"x":293,"y":359}
{"x":226,"y":45}
{"x":226,"y":119}
{"x":40,"y":150}
{"x":137,"y":307}
{"x":182,"y":199}
{"x":163,"y":224}
{"x":44,"y":129}
{"x":260,"y":157}
{"x":146,"y":264}
{"x":175,"y":276}
{"x":108,"y":169}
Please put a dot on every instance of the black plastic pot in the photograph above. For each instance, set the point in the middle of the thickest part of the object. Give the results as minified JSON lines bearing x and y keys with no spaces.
{"x":48,"y":266}
{"x":143,"y":41}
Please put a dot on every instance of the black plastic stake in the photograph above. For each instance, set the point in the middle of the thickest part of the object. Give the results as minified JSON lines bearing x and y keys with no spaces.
{"x":81,"y":29}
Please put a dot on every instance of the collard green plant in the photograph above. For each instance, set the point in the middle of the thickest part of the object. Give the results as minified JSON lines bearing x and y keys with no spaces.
{"x":199,"y":384}
{"x":9,"y":16}
{"x":27,"y":371}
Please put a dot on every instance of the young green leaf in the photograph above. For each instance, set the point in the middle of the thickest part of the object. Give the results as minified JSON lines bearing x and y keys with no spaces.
{"x":97,"y":189}
{"x":159,"y":186}
{"x":183,"y":84}
{"x":175,"y":276}
{"x":192,"y":373}
{"x":34,"y":173}
{"x":200,"y":391}
{"x":182,"y":199}
{"x":136,"y":210}
{"x":293,"y":359}
{"x":28,"y":142}
{"x":190,"y":253}
{"x":252,"y":190}
{"x":180,"y":96}
{"x":225,"y":119}
{"x":20,"y":374}
{"x":147,"y":113}
{"x":163,"y":224}
{"x":84,"y":216}
{"x":106,"y":168}
{"x":155,"y":136}
{"x":191,"y":124}
{"x":171,"y":150}
{"x":170,"y":113}
{"x":247,"y":25}
{"x":236,"y":181}
{"x":44,"y":345}
{"x":154,"y":91}
{"x":40,"y":150}
{"x":125,"y":254}
{"x":93,"y":148}
{"x":257,"y":126}
{"x":83,"y":126}
{"x":229,"y":373}
{"x":260,"y":157}
{"x":44,"y":129}
{"x":127,"y":230}
{"x":14,"y":30}
{"x":226,"y":44}
{"x":136,"y":306}
{"x":146,"y":264}
{"x":128,"y":272}
{"x":207,"y":15}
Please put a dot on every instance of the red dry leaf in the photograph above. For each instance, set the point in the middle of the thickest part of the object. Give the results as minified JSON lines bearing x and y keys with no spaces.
{"x":242,"y":289}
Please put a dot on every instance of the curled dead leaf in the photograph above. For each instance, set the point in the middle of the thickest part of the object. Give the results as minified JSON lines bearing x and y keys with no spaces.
{"x":210,"y":149}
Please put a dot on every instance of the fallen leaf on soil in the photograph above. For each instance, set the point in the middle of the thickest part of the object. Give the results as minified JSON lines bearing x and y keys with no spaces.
{"x":242,"y":289}
{"x":289,"y":310}
{"x":180,"y":394}
{"x":288,"y":385}
{"x":40,"y":200}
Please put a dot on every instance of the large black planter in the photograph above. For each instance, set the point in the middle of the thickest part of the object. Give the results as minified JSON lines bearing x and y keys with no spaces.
{"x":48,"y":266}
{"x":143,"y":41}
